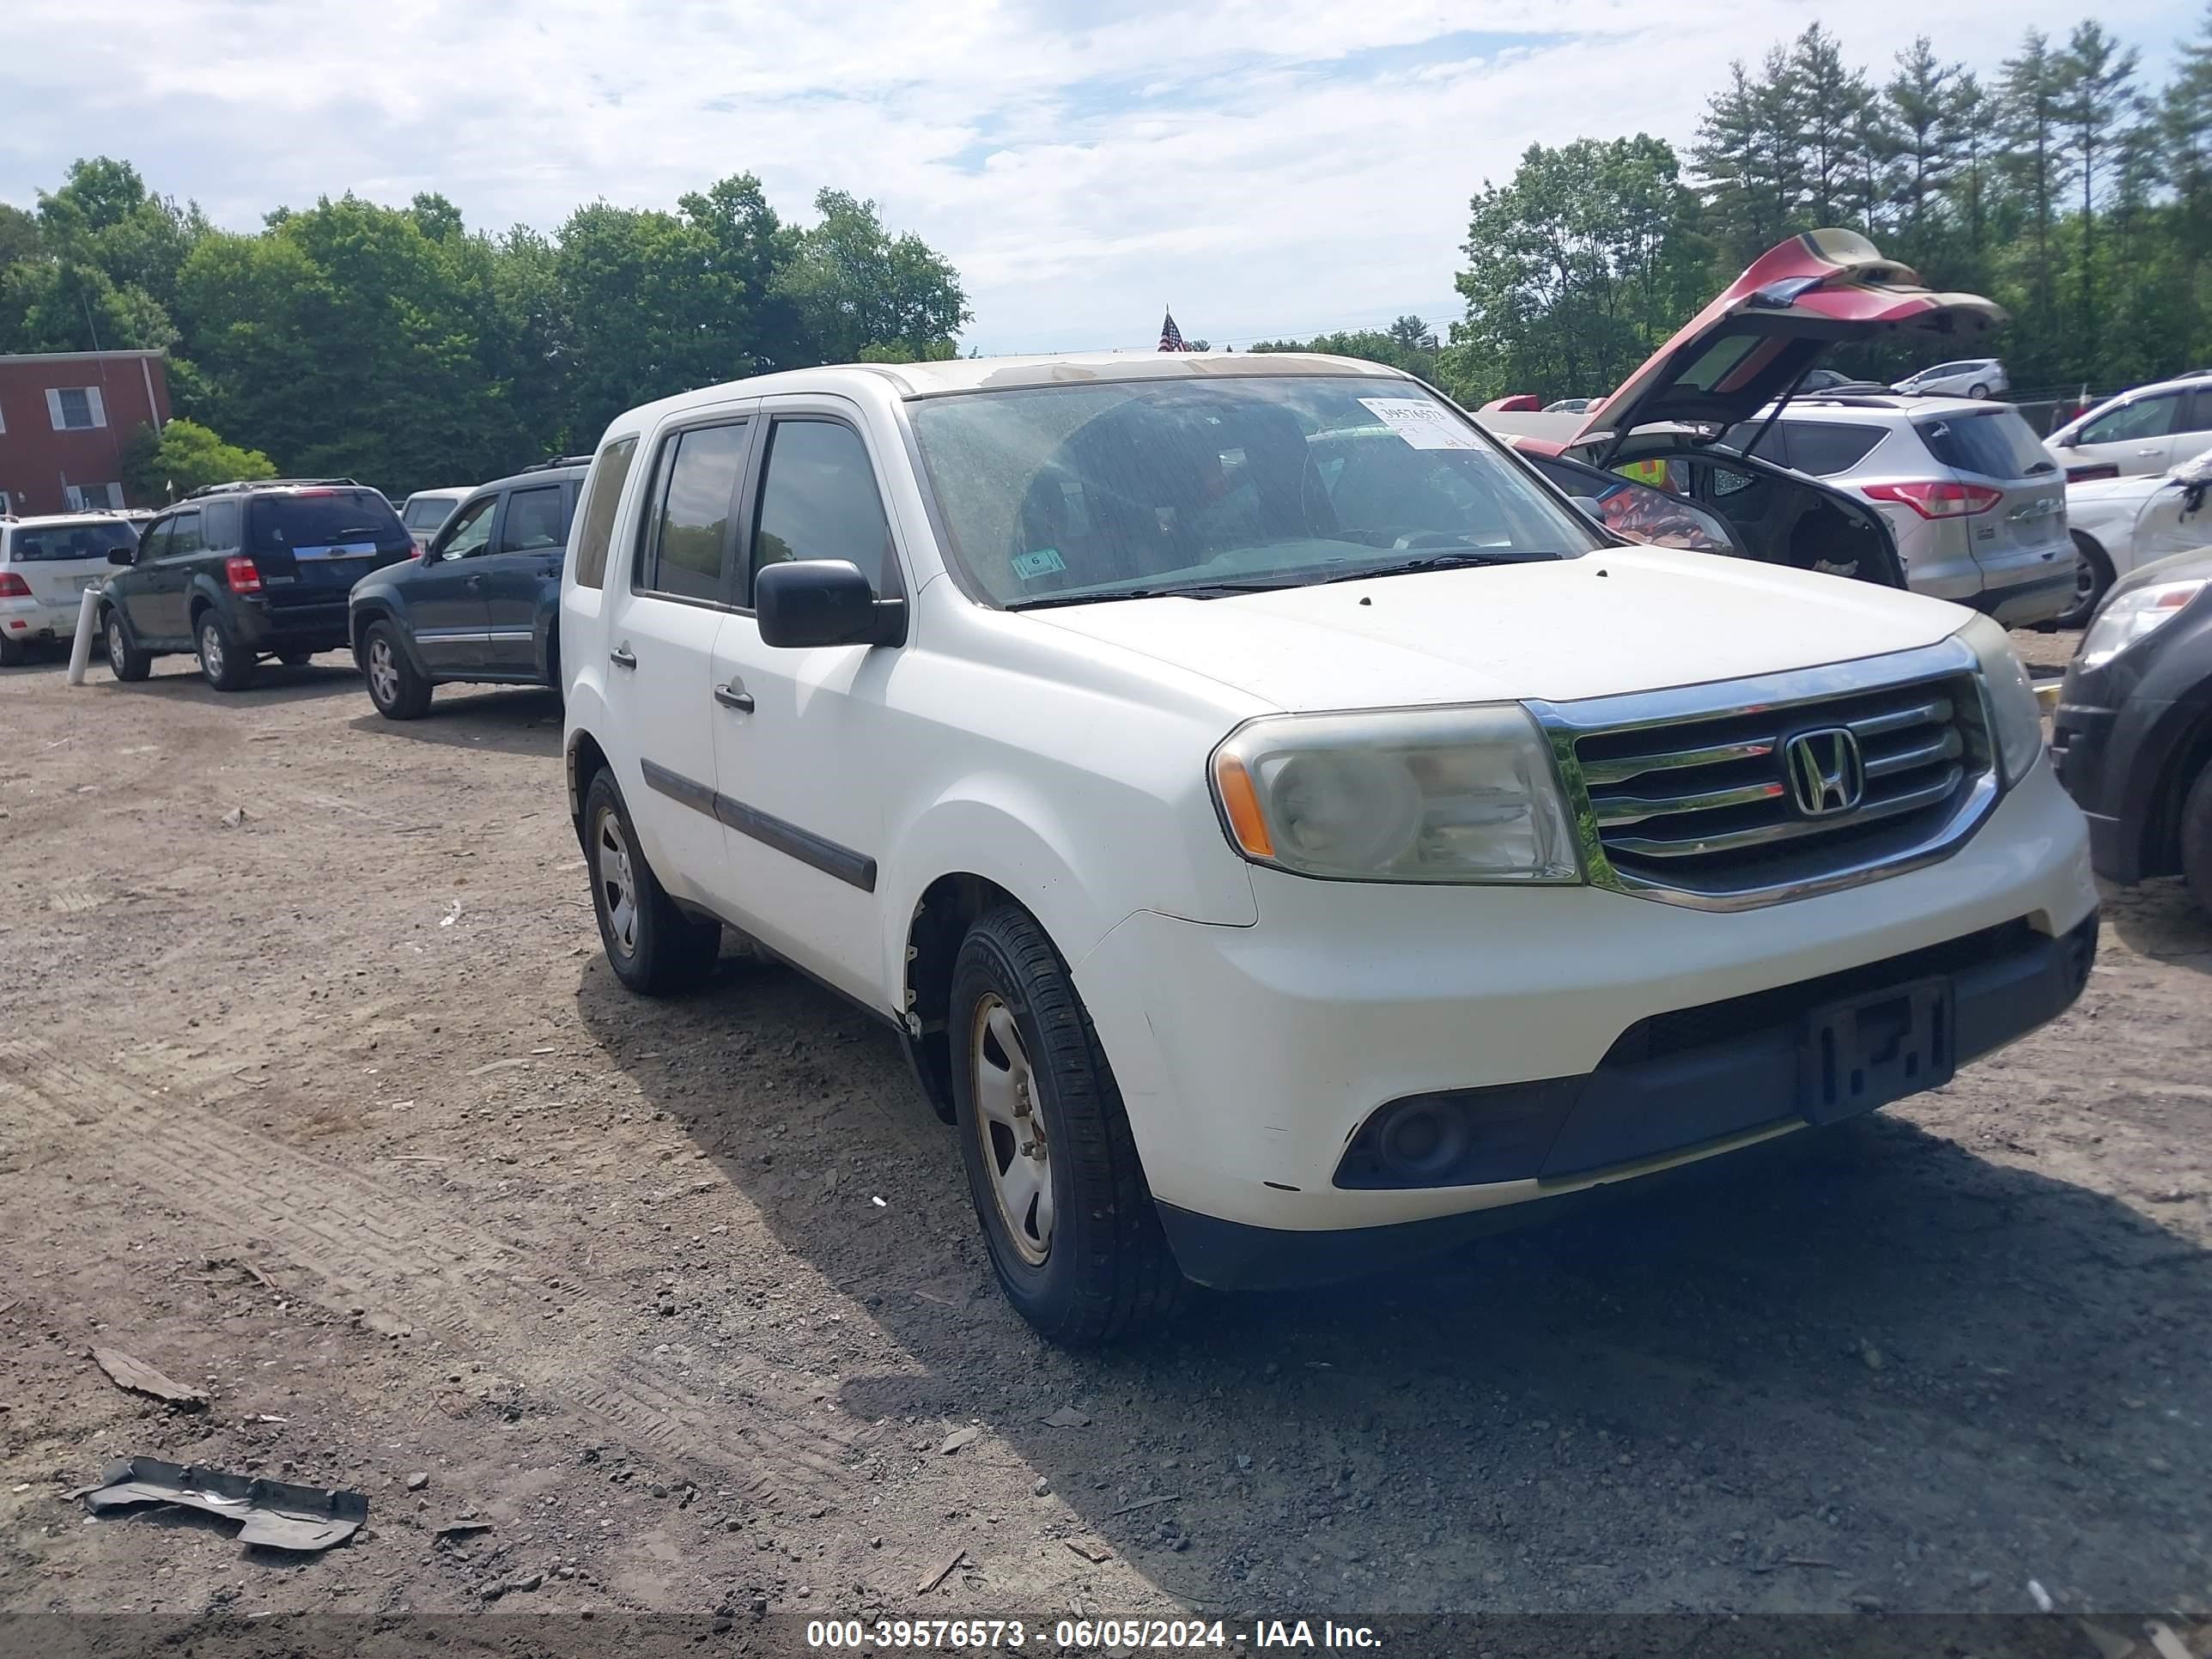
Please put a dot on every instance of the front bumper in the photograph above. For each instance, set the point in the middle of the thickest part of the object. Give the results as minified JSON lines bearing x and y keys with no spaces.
{"x":1249,"y":1058}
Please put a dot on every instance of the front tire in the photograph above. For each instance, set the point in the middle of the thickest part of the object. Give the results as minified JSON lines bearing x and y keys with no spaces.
{"x":296,"y":658}
{"x":2093,"y":579}
{"x":2197,"y":838}
{"x":654,"y":947}
{"x":1052,"y":1166}
{"x":397,"y":689}
{"x":224,"y":663}
{"x":125,"y":660}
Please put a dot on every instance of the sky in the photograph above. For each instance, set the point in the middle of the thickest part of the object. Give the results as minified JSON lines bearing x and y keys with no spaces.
{"x":1268,"y":167}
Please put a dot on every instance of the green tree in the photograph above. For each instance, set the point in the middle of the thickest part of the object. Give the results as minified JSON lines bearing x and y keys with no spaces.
{"x":854,"y":286}
{"x":1586,"y":259}
{"x":2097,"y":107}
{"x":2032,"y":114}
{"x":185,"y":456}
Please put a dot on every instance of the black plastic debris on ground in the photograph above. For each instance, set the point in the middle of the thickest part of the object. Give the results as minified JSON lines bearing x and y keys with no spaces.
{"x":277,"y":1515}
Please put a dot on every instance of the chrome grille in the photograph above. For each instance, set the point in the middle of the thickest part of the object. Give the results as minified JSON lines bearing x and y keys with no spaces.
{"x":1702,"y":803}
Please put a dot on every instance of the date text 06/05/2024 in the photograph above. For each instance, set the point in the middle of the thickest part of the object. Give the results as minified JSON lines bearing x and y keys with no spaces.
{"x":1084,"y":1633}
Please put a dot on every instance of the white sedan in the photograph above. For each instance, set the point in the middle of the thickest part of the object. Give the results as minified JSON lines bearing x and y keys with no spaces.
{"x":2120,"y":523}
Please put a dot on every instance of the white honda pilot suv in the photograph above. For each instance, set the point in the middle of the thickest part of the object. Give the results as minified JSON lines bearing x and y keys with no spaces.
{"x":1280,"y":827}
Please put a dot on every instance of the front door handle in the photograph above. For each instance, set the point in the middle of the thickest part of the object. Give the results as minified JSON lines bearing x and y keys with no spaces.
{"x":623,"y":657}
{"x":472,"y":581}
{"x":734,"y":695}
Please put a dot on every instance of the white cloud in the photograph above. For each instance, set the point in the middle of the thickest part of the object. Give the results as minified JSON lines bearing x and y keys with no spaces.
{"x":1267,"y":165}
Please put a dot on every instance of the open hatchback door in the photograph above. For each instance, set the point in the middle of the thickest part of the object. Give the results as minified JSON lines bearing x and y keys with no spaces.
{"x":1753,"y":346}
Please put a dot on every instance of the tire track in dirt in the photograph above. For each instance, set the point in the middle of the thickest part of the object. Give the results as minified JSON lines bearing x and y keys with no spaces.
{"x":374,"y":1245}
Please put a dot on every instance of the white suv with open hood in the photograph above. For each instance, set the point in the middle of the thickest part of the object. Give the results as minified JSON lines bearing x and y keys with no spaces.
{"x":1280,"y":829}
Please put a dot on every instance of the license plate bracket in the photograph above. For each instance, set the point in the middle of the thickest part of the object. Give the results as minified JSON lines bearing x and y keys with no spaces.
{"x":1865,"y":1051}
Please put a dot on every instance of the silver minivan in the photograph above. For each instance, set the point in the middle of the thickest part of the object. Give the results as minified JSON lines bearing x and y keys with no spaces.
{"x":1975,"y":503}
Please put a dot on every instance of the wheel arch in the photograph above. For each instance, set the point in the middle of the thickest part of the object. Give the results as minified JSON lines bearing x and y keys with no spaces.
{"x":2160,"y":849}
{"x":936,"y":925}
{"x":584,"y":760}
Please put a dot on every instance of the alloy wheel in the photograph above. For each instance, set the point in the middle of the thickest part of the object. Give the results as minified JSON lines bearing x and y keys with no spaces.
{"x":383,"y":672}
{"x":618,"y":884}
{"x":212,"y":651}
{"x":1012,"y":1129}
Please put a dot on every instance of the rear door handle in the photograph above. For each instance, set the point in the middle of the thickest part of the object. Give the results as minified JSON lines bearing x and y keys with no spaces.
{"x":734,"y":695}
{"x":623,"y":657}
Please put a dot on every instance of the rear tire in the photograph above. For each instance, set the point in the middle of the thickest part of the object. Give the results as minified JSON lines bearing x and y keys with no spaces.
{"x":13,"y":653}
{"x":1076,"y":1243}
{"x":224,"y":663}
{"x":2093,"y":579}
{"x":296,"y":658}
{"x":125,"y":660}
{"x":654,"y":947}
{"x":2197,"y":838}
{"x":1978,"y":390}
{"x":399,"y":692}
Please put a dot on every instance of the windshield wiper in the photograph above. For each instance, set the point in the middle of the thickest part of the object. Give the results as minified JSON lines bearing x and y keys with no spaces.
{"x":1443,"y":562}
{"x":1196,"y":590}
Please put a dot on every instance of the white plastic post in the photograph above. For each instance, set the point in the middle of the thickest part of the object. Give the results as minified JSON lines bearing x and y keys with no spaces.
{"x":88,"y":612}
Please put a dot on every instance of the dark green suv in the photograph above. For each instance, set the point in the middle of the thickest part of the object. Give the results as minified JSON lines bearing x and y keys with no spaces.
{"x":238,"y":572}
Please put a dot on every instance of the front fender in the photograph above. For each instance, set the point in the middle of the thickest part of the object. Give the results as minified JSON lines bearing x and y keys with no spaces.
{"x":1023,"y":838}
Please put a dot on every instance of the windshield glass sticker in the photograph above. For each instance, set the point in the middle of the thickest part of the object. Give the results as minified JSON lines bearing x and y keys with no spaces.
{"x":1043,"y":561}
{"x":1423,"y":424}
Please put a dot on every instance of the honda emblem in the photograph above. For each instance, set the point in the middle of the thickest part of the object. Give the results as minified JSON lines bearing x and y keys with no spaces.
{"x":1826,"y":776}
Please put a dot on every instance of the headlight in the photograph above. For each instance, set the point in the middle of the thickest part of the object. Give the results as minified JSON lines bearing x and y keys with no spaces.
{"x":2014,"y":715}
{"x":1445,"y":794}
{"x":2128,"y":617}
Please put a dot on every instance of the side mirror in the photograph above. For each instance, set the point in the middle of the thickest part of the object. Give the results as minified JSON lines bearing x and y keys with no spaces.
{"x":809,"y":602}
{"x":1590,"y":505}
{"x":123,"y":555}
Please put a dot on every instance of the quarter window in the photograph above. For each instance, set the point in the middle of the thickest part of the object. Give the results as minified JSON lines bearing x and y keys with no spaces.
{"x":818,"y":501}
{"x":1825,"y":448}
{"x":533,"y":521}
{"x":687,"y":555}
{"x":602,"y":494}
{"x":220,"y":522}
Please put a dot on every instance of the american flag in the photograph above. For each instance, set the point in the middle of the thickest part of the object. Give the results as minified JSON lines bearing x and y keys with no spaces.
{"x":1170,"y":337}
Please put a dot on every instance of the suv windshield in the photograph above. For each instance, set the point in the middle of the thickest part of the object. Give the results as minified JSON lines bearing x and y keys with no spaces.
{"x":70,"y":541}
{"x":1994,"y":442}
{"x":1067,"y":493}
{"x":324,"y":517}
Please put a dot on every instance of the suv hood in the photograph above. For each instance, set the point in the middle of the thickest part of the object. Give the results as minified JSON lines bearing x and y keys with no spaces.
{"x":1620,"y":619}
{"x":1751,"y":345}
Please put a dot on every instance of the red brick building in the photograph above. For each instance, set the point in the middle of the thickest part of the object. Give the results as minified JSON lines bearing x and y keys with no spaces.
{"x":64,"y":419}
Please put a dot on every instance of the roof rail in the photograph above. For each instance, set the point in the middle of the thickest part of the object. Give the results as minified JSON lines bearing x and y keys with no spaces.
{"x":271,"y":483}
{"x":558,"y":460}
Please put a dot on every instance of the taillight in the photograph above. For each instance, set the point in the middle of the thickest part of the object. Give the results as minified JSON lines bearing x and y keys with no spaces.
{"x":1945,"y":498}
{"x":13,"y":587}
{"x":243,"y":576}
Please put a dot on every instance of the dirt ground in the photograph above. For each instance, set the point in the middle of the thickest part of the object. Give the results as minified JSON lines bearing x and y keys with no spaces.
{"x":336,"y":1112}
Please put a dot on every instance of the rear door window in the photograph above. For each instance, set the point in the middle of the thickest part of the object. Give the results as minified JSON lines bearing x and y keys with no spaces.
{"x":183,"y":536}
{"x":324,"y":518}
{"x":1773,"y":444}
{"x":686,"y":556}
{"x":1994,"y":443}
{"x":533,"y":521}
{"x":2197,"y":417}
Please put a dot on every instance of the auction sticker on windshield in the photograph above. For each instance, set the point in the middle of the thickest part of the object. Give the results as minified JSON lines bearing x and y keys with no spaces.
{"x":1423,"y":424}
